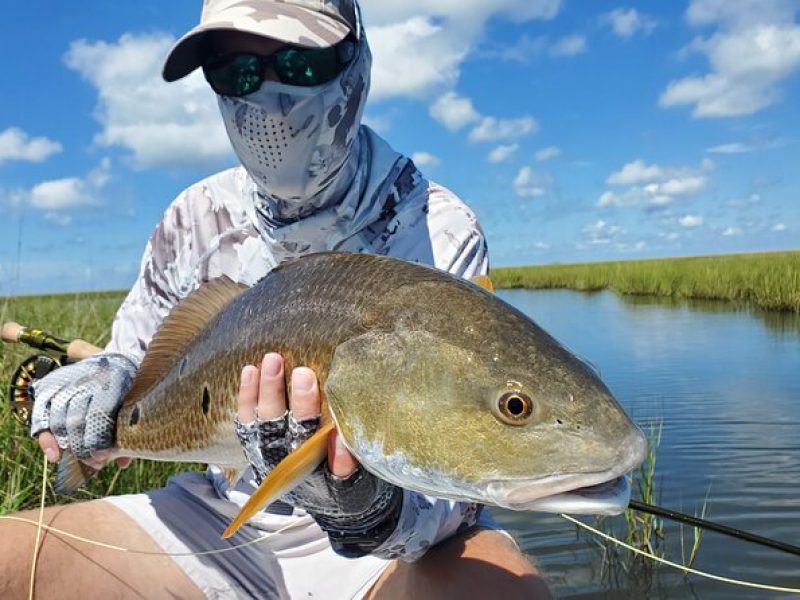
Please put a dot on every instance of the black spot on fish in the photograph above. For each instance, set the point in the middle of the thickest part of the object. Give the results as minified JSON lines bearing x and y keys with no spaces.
{"x":206,"y":400}
{"x":559,"y":421}
{"x":135,"y":415}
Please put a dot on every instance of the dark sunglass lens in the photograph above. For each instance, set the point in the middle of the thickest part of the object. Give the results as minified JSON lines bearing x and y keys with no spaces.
{"x":239,"y":76}
{"x":308,"y":67}
{"x":295,"y":67}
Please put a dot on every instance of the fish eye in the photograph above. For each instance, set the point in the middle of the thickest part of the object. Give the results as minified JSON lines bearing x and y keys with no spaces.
{"x":515,"y":408}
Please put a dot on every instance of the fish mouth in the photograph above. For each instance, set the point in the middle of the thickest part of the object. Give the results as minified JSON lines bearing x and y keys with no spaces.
{"x":605,"y":492}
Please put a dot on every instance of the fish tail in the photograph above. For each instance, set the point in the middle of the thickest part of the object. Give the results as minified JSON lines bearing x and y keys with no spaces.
{"x":72,"y":475}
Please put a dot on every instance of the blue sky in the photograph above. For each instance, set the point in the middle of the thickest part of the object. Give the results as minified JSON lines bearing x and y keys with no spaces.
{"x":578,"y":131}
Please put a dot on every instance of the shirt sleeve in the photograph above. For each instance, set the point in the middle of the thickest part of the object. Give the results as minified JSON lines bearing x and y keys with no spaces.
{"x":161,"y":283}
{"x":458,"y":246}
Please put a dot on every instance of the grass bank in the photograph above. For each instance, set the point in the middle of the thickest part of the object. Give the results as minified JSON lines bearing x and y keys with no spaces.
{"x":87,"y":316}
{"x":770,"y":281}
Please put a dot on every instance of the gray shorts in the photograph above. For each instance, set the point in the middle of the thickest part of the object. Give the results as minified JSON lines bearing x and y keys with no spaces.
{"x":188,"y":516}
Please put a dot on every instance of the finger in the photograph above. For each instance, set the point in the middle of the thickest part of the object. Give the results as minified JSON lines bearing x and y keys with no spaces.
{"x":98,"y":458}
{"x":59,"y":410}
{"x":124,"y":462}
{"x":340,"y":461}
{"x":304,"y":401}
{"x":248,"y":394}
{"x":76,"y":425}
{"x":272,"y":393}
{"x":49,"y":445}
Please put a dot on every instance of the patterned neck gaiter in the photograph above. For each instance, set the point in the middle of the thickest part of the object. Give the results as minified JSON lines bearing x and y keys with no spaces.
{"x":300,"y":145}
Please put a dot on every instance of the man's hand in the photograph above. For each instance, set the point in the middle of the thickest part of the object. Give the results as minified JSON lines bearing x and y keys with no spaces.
{"x":264,"y":394}
{"x":356,"y":509}
{"x":75,"y":408}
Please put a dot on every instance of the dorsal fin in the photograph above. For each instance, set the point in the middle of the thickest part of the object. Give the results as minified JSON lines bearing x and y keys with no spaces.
{"x":483,"y":281}
{"x":179,"y":330}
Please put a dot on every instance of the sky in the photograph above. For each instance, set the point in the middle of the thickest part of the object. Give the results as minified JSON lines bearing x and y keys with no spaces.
{"x":577,"y":130}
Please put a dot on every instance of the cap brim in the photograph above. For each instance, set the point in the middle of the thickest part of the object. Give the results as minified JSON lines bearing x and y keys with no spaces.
{"x":283,"y":22}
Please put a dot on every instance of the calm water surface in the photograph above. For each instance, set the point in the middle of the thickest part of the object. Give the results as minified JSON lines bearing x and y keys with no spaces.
{"x":725,"y":387}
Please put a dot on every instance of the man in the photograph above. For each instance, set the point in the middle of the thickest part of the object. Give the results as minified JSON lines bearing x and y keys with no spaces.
{"x":292,"y":79}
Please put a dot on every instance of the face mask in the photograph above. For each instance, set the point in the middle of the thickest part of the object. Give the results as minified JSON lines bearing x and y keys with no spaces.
{"x":297,"y":142}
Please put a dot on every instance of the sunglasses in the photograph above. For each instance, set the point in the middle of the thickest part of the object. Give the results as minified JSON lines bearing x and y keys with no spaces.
{"x":243,"y":73}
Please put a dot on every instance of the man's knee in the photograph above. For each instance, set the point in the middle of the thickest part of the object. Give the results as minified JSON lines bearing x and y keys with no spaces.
{"x":478,"y":563}
{"x":75,"y":566}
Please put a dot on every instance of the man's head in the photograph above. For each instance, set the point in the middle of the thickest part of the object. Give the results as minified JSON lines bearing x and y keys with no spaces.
{"x":304,"y":23}
{"x":291,"y":77}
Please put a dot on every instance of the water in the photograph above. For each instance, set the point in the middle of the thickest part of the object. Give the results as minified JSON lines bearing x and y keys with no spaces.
{"x":724,"y":385}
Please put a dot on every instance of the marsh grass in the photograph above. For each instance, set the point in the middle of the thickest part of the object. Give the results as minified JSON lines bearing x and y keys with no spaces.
{"x":770,"y":281}
{"x":623,"y":569}
{"x":89,"y":317}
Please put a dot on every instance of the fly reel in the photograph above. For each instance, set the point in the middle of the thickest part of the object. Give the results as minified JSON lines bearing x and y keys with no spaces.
{"x":20,"y":396}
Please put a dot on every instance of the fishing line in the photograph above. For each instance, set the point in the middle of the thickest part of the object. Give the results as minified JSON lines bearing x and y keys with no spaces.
{"x":684,"y":568}
{"x":300,"y":521}
{"x":39,"y":526}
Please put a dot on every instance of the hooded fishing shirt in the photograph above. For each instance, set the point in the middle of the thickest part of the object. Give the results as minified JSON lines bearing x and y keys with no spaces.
{"x":221,"y":226}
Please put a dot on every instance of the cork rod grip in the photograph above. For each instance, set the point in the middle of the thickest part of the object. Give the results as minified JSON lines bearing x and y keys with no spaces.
{"x":14,"y":333}
{"x":11,"y":332}
{"x":79,"y":349}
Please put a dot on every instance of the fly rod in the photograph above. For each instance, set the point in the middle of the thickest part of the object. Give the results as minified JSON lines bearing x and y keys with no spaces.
{"x":710,"y":525}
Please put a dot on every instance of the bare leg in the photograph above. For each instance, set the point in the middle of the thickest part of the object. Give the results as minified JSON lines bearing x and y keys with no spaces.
{"x":68,"y":568}
{"x":479,"y":564}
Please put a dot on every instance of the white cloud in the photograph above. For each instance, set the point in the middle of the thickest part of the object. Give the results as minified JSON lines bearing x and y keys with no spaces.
{"x":601,"y":233}
{"x":492,"y":129}
{"x":405,"y":35}
{"x":732,"y":231}
{"x":547,"y":153}
{"x":58,"y":218}
{"x":380,"y":12}
{"x":502,"y":153}
{"x":627,"y":23}
{"x":691,"y":221}
{"x":779,"y":227}
{"x":403,"y":51}
{"x":654,"y":185}
{"x":528,"y":184}
{"x":635,"y":172}
{"x":425,"y":159}
{"x":67,"y":193}
{"x":523,"y":51}
{"x":379,"y":123}
{"x":15,"y":144}
{"x":454,"y":112}
{"x":755,"y":49}
{"x":162,"y":124}
{"x":570,"y":45}
{"x":734,"y":148}
{"x":679,"y":186}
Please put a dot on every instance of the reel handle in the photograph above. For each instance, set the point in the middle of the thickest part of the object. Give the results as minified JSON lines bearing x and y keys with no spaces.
{"x":14,"y":333}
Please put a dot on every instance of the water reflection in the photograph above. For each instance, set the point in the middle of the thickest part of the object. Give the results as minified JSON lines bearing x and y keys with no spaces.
{"x":779,"y":322}
{"x":725,"y":383}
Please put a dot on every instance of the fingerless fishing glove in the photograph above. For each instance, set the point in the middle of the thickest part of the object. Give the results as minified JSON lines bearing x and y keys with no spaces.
{"x":79,"y":402}
{"x":358,"y":512}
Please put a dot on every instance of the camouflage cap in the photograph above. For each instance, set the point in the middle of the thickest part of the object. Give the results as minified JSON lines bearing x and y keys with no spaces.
{"x":307,"y":23}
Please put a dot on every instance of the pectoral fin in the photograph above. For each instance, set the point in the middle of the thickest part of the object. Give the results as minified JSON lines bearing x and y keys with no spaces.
{"x":285,"y":477}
